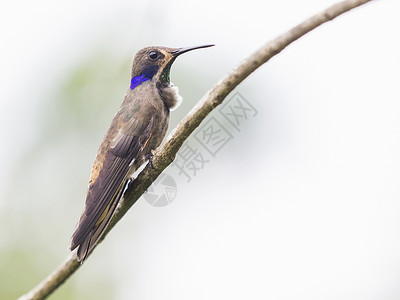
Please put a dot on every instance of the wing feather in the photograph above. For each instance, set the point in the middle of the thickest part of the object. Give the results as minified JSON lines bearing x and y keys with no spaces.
{"x":104,"y":194}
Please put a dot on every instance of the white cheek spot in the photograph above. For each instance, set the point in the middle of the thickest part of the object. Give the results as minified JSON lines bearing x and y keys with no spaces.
{"x":178,"y":97}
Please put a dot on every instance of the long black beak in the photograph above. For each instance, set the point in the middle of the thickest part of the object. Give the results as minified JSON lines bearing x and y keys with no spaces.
{"x":180,"y":51}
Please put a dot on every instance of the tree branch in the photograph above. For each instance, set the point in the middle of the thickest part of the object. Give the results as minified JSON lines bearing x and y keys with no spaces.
{"x":165,"y":154}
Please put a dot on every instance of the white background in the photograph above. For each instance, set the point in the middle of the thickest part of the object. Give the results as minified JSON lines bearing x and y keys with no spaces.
{"x":302,"y":204}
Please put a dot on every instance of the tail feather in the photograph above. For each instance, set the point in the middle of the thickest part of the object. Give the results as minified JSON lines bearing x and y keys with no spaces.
{"x":86,"y":244}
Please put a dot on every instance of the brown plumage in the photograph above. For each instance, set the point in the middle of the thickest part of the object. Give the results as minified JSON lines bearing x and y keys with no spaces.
{"x":138,"y":128}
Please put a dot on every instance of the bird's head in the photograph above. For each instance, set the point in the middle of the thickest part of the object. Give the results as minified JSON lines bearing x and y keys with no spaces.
{"x":154,"y":63}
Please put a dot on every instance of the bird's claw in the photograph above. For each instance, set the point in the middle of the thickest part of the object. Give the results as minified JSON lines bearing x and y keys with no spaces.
{"x":150,"y":158}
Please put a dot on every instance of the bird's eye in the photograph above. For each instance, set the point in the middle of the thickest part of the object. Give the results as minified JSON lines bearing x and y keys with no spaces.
{"x":153,"y":54}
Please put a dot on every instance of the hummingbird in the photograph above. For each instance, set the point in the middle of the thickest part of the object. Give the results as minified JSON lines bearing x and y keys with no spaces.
{"x":136,"y":130}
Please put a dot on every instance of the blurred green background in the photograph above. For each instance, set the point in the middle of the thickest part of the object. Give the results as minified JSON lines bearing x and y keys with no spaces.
{"x":302,"y":203}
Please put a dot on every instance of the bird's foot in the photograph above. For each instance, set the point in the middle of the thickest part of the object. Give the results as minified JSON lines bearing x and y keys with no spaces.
{"x":150,"y":158}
